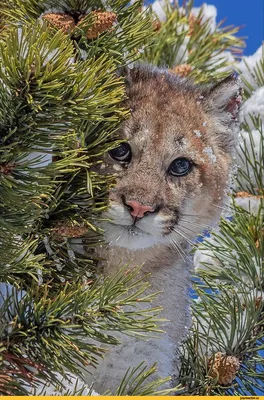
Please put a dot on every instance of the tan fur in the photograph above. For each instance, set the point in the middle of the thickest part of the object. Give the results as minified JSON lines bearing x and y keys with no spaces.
{"x":162,"y":128}
{"x":169,"y":119}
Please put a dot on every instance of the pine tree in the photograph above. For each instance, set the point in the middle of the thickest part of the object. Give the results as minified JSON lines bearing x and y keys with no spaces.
{"x":60,"y":107}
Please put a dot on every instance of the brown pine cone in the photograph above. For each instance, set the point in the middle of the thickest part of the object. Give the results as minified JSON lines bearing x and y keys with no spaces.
{"x":182,"y":70}
{"x":102,"y":21}
{"x":61,"y":21}
{"x":224,"y":368}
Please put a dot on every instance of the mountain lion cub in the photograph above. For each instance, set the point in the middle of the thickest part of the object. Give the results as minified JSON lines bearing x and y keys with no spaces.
{"x":171,"y":172}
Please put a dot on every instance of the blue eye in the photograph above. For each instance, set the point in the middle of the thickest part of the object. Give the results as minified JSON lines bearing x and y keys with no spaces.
{"x":121,"y":153}
{"x":180,"y":167}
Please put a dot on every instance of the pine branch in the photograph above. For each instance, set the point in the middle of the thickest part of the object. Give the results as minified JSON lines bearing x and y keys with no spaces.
{"x":189,"y":42}
{"x":130,"y":30}
{"x":228,"y":317}
{"x":135,"y":383}
{"x":59,"y":329}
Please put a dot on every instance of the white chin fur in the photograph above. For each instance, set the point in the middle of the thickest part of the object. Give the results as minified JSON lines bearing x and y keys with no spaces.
{"x":122,"y":236}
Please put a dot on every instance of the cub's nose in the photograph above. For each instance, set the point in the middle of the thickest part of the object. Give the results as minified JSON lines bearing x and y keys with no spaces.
{"x":137,"y":209}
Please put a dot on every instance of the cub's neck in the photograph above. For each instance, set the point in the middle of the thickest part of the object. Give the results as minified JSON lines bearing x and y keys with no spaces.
{"x":151,"y":258}
{"x":170,"y":276}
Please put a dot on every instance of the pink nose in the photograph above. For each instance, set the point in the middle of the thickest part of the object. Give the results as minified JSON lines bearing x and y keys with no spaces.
{"x":138,"y":209}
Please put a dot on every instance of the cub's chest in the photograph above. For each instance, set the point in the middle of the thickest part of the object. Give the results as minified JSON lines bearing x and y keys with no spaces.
{"x":151,"y":259}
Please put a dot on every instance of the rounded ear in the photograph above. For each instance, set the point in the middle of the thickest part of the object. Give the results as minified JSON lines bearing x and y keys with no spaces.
{"x":224,"y":98}
{"x":223,"y":102}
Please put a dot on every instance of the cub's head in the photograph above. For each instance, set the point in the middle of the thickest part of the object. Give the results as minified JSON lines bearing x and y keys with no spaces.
{"x":173,"y":161}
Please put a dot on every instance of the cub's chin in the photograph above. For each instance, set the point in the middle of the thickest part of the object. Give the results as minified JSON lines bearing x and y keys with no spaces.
{"x":130,"y":237}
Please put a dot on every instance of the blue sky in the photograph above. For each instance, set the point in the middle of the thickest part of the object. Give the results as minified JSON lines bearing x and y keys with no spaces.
{"x":242,"y":12}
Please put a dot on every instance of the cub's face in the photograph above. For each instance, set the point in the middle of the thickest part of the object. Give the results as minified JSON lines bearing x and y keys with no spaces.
{"x":172,"y":163}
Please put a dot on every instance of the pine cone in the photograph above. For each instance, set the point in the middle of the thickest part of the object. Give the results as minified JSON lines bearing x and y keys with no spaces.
{"x":182,"y":70}
{"x":70,"y":231}
{"x":103,"y":21}
{"x":224,"y":368}
{"x":61,"y":21}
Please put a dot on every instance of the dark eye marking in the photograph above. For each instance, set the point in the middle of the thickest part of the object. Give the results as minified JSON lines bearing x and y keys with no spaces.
{"x":180,"y":167}
{"x":121,"y":153}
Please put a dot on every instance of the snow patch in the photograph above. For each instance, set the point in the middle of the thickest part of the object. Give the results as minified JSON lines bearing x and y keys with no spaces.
{"x":69,"y":383}
{"x":218,"y":58}
{"x":247,"y":65}
{"x":209,"y":14}
{"x":250,"y":204}
{"x":182,"y":53}
{"x":254,"y":106}
{"x":159,"y":7}
{"x":251,"y":142}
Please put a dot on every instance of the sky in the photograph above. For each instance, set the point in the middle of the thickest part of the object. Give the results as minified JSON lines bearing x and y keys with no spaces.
{"x":249,"y":13}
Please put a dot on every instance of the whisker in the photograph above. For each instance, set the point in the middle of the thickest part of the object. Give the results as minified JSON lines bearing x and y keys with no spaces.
{"x":179,"y":250}
{"x":195,"y":233}
{"x":193,"y":215}
{"x":184,"y":237}
{"x":196,"y":224}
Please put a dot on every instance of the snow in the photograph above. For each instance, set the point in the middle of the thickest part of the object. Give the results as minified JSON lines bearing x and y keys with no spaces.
{"x":209,"y":152}
{"x":209,"y":14}
{"x":39,"y":159}
{"x":250,"y":135}
{"x":197,"y":133}
{"x":253,"y":106}
{"x":247,"y":65}
{"x":203,"y":259}
{"x":252,"y":143}
{"x":52,"y":10}
{"x":218,"y":58}
{"x":182,"y":53}
{"x":70,"y":382}
{"x":218,"y":341}
{"x":250,"y":204}
{"x":6,"y":291}
{"x":159,"y":7}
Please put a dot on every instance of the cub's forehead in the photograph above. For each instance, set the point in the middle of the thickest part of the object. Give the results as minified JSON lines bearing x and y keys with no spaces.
{"x":168,"y":124}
